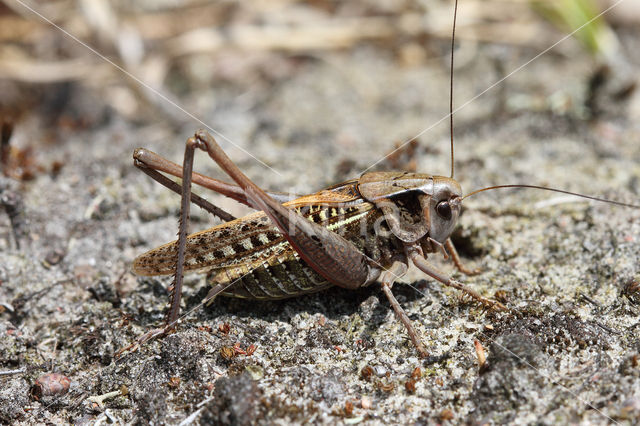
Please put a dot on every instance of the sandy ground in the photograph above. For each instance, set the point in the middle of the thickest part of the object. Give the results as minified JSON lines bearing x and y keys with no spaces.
{"x":567,"y":351}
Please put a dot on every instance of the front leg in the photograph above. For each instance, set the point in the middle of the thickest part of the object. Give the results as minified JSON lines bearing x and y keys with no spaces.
{"x":329,"y":254}
{"x":418,"y":259}
{"x":458,"y":261}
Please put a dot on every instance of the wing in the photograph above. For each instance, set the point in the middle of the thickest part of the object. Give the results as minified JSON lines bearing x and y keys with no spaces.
{"x":228,"y":244}
{"x":253,"y":240}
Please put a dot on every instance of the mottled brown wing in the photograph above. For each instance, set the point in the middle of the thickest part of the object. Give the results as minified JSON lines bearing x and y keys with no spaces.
{"x":243,"y":240}
{"x":251,"y":240}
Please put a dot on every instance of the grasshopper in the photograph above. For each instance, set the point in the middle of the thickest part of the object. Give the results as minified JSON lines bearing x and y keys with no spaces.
{"x":352,"y":234}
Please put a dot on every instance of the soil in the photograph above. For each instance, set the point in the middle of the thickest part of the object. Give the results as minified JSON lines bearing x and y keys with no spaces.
{"x":566,"y":351}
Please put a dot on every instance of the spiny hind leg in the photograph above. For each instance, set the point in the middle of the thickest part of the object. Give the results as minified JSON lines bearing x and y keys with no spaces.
{"x":168,"y":183}
{"x":175,"y":290}
{"x":152,"y":164}
{"x":329,"y":254}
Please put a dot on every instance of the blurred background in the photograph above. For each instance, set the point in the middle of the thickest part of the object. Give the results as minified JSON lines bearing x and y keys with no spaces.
{"x":302,"y":95}
{"x":83,"y":65}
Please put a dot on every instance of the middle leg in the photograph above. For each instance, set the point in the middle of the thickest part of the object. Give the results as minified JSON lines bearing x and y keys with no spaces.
{"x":398,"y":269}
{"x":422,"y":264}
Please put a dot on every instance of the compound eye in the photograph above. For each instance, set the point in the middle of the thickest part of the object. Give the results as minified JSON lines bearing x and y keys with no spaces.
{"x":444,"y":210}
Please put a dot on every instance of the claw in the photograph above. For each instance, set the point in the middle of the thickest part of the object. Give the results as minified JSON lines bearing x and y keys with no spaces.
{"x":146,"y":337}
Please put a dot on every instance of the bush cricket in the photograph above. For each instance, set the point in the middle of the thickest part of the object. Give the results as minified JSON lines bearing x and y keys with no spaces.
{"x":351,"y":235}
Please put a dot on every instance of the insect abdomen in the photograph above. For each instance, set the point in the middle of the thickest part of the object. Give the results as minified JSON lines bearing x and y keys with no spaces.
{"x":281,"y":278}
{"x":287,"y":275}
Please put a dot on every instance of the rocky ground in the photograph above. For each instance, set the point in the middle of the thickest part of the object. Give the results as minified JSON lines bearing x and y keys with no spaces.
{"x":298,"y":115}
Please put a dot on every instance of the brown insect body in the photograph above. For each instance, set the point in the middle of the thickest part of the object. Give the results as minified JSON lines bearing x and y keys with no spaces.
{"x":350,"y":235}
{"x":378,"y":213}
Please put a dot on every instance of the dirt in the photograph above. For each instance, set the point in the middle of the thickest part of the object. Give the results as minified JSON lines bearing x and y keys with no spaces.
{"x":567,"y":351}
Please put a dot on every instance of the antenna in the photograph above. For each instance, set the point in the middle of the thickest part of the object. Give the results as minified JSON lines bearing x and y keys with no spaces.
{"x":545,"y":188}
{"x":453,"y":40}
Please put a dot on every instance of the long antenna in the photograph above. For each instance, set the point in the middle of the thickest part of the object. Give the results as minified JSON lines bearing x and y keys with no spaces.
{"x":453,"y":40}
{"x":545,"y":188}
